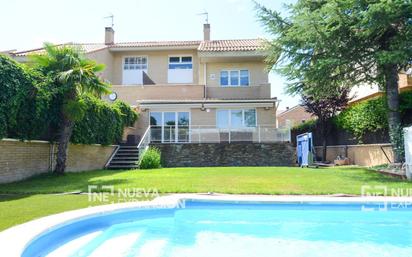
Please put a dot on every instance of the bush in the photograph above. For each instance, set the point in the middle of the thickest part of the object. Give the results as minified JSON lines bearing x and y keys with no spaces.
{"x":102,"y":123}
{"x":30,"y":108}
{"x":364,"y":117}
{"x":150,"y":159}
{"x":307,"y":125}
{"x":371,"y":116}
{"x":24,"y":101}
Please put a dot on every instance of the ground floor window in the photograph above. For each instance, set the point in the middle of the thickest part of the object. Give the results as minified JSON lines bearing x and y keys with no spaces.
{"x":236,"y":118}
{"x":169,"y":127}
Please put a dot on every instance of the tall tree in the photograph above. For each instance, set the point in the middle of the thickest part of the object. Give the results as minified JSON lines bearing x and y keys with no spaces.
{"x":72,"y":75}
{"x":324,"y":108}
{"x":352,"y":42}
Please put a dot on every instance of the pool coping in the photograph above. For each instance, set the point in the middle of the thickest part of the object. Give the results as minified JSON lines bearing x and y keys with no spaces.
{"x":14,"y":240}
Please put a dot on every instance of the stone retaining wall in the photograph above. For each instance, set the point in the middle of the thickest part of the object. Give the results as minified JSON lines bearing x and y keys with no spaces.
{"x":20,"y":160}
{"x":225,"y":154}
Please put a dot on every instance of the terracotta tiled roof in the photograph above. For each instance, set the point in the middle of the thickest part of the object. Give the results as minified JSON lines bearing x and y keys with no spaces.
{"x":231,"y":45}
{"x":156,"y":44}
{"x":87,"y":48}
{"x":204,"y":46}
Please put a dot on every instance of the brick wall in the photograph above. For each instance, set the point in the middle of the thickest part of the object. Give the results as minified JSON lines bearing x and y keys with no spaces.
{"x":20,"y":160}
{"x":293,"y":116}
{"x":224,"y":154}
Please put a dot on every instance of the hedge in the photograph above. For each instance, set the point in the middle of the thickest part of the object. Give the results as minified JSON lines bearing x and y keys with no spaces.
{"x":29,"y":109}
{"x":102,"y":122}
{"x":371,"y":116}
{"x":364,"y":121}
{"x":24,"y":103}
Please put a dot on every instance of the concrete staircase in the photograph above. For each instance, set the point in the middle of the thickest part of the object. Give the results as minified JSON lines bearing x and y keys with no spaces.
{"x":125,"y":158}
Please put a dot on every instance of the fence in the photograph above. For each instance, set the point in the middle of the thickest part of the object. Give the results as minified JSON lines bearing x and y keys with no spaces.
{"x":213,"y":134}
{"x":362,"y":155}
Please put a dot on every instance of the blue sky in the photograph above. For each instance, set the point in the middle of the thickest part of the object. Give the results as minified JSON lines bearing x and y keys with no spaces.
{"x":27,"y":23}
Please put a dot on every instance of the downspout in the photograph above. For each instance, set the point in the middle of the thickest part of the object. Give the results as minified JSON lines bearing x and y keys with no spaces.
{"x":205,"y":79}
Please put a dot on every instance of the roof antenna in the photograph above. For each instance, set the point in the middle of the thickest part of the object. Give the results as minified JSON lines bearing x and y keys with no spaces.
{"x":111,"y":16}
{"x":205,"y":13}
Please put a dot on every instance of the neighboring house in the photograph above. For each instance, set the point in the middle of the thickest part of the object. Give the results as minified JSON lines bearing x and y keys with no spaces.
{"x":293,"y":116}
{"x":366,"y":92}
{"x":190,"y":91}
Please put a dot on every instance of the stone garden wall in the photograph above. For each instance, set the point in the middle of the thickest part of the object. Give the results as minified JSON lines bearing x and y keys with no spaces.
{"x":225,"y":154}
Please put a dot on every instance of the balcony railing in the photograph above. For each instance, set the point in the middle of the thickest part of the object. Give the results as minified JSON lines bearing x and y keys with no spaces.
{"x":213,"y":134}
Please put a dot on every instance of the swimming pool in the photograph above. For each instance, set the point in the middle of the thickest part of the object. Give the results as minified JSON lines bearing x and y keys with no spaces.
{"x":233,"y":228}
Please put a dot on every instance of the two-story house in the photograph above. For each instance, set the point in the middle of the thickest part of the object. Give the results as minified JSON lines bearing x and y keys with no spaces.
{"x":190,"y":91}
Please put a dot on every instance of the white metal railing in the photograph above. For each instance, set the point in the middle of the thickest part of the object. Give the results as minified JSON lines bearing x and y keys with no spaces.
{"x":213,"y":134}
{"x":144,"y":143}
{"x":117,"y":147}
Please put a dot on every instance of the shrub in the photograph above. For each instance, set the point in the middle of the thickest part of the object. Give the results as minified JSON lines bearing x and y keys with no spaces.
{"x":30,"y":108}
{"x":102,"y":122}
{"x":364,"y":117}
{"x":371,"y":116}
{"x":150,"y":159}
{"x":24,"y":101}
{"x":307,"y":125}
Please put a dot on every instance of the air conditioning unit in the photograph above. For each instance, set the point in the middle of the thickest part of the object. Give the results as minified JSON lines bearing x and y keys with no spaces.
{"x":408,"y":151}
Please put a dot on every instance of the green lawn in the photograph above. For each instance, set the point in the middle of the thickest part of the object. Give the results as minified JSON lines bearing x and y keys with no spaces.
{"x":234,"y":180}
{"x":34,"y":197}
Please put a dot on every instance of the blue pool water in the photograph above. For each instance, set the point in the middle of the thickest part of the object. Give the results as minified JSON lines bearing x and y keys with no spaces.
{"x":215,"y":229}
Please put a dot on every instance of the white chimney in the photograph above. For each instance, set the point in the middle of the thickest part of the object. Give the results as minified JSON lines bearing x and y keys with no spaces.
{"x":109,"y":36}
{"x":206,"y":32}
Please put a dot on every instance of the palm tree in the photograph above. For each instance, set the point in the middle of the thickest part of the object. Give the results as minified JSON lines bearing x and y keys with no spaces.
{"x":72,"y":75}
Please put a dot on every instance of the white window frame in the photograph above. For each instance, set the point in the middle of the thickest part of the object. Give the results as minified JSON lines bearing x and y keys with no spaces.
{"x":229,"y":78}
{"x":243,"y":118}
{"x":170,"y":80}
{"x":175,"y":126}
{"x":136,"y":56}
{"x":128,"y":70}
{"x":180,"y":60}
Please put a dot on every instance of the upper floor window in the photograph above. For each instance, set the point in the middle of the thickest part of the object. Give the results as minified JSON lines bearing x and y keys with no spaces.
{"x":180,"y":69}
{"x":180,"y":62}
{"x":234,"y":78}
{"x":135,"y":63}
{"x":133,"y":69}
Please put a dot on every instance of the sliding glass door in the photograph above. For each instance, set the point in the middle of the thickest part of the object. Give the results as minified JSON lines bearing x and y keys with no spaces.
{"x":170,"y":127}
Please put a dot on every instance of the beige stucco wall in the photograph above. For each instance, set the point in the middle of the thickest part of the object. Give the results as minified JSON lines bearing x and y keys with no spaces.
{"x":104,"y":57}
{"x":131,"y":94}
{"x":20,"y":160}
{"x":157,"y":61}
{"x":257,"y":73}
{"x":362,"y":155}
{"x":250,"y":92}
{"x":405,"y":81}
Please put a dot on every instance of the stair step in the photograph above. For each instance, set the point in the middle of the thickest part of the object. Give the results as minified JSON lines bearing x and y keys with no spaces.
{"x":128,"y":150}
{"x":119,"y":158}
{"x":115,"y":167}
{"x":131,"y":154}
{"x":128,"y":146}
{"x":122,"y":162}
